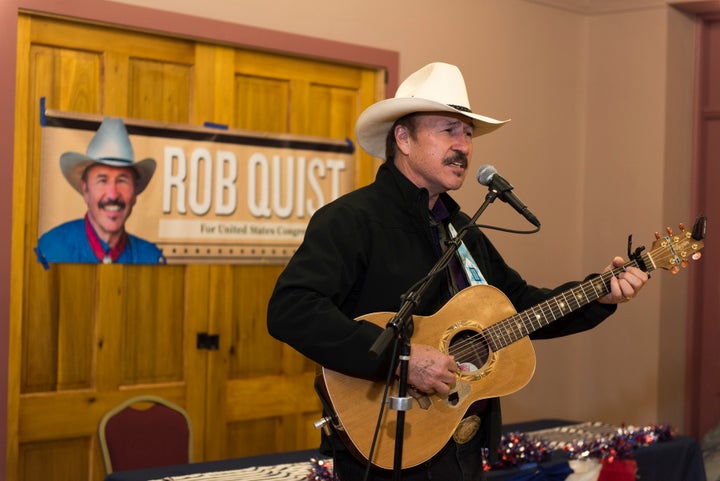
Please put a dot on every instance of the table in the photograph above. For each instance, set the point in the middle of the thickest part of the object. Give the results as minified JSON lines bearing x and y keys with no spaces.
{"x":676,"y":460}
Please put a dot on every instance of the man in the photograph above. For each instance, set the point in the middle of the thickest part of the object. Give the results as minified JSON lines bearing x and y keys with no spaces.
{"x":362,"y":252}
{"x":109,"y":179}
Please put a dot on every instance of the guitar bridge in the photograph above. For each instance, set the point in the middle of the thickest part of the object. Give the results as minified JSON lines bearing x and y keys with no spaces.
{"x":459,"y":393}
{"x":423,"y":400}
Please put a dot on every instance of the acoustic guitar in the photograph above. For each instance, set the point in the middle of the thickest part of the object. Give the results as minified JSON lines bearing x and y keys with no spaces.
{"x":489,"y":339}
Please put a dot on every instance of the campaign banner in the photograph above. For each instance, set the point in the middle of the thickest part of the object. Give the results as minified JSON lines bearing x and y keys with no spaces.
{"x":216,"y":195}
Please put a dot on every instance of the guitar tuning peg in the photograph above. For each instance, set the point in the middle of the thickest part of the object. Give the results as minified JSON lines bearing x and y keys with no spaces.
{"x":682,"y":226}
{"x":669,"y":231}
{"x":674,"y":270}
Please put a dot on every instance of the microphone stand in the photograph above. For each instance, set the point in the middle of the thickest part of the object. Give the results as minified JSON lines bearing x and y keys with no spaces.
{"x":400,"y":328}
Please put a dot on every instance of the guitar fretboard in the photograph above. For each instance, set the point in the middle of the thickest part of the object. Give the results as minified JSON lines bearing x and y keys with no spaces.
{"x":530,"y":320}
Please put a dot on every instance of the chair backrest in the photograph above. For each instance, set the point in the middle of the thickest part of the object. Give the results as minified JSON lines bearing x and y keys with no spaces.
{"x":145,"y":432}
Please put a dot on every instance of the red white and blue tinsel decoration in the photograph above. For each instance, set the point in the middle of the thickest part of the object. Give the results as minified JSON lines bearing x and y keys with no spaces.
{"x":321,"y":470}
{"x":620,"y":444}
{"x":517,"y":448}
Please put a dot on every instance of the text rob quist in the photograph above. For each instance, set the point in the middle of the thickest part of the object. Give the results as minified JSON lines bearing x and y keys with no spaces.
{"x":204,"y":184}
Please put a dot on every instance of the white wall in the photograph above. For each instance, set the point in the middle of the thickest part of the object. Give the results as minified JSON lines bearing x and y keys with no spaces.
{"x":600,"y":96}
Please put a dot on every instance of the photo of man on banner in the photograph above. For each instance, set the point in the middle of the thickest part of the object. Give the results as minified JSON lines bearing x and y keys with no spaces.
{"x":109,"y":179}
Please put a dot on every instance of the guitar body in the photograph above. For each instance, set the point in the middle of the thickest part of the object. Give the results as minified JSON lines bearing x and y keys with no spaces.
{"x":431,"y":421}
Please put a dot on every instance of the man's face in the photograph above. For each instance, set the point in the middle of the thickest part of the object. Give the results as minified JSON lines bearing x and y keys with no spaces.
{"x":109,"y":193}
{"x":439,"y":153}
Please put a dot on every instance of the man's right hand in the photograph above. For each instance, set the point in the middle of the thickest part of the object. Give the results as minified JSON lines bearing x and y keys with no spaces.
{"x":431,"y":371}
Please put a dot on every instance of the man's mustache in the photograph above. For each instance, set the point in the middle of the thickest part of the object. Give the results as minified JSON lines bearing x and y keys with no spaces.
{"x":457,"y":157}
{"x":116,"y":202}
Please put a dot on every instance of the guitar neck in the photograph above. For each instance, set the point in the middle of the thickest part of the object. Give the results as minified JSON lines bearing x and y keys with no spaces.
{"x":524,"y":323}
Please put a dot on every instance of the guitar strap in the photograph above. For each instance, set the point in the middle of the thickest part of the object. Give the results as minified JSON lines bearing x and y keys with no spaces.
{"x":472,"y":271}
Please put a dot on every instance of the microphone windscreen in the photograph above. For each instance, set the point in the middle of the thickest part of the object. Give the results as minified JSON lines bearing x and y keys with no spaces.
{"x":485,"y":174}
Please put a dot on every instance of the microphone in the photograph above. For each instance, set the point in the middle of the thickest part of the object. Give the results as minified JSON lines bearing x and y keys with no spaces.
{"x":487,"y":175}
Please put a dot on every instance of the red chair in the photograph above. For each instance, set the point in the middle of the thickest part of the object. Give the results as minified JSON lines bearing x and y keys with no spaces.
{"x":145,"y":432}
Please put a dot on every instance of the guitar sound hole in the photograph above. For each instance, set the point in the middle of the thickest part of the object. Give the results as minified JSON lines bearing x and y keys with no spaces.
{"x":470,"y":349}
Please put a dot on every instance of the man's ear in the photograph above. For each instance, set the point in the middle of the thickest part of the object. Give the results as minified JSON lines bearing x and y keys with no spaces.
{"x":402,"y":138}
{"x":85,"y":193}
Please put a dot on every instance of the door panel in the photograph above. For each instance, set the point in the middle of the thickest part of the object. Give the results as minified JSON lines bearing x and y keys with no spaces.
{"x":92,"y":336}
{"x":262,"y":103}
{"x":159,"y":90}
{"x":152,"y":344}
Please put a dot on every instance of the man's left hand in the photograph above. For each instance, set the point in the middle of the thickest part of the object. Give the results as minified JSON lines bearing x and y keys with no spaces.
{"x":625,"y":285}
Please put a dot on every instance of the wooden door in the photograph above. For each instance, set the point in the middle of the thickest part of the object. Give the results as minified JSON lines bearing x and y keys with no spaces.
{"x":267,"y":403}
{"x":85,"y":337}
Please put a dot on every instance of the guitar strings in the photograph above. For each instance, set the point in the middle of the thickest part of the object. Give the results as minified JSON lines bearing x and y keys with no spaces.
{"x":476,"y":348}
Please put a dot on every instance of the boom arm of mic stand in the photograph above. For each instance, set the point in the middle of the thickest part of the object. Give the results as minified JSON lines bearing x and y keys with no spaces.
{"x":400,"y":327}
{"x":394,"y":325}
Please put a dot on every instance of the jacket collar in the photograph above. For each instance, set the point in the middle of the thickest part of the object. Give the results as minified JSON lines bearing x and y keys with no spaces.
{"x":413,"y":198}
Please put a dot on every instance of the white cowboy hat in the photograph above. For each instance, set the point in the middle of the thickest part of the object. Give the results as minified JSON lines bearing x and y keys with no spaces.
{"x":109,"y":146}
{"x":437,"y":87}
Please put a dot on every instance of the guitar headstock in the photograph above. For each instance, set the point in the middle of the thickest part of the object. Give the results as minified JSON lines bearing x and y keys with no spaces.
{"x":675,"y":250}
